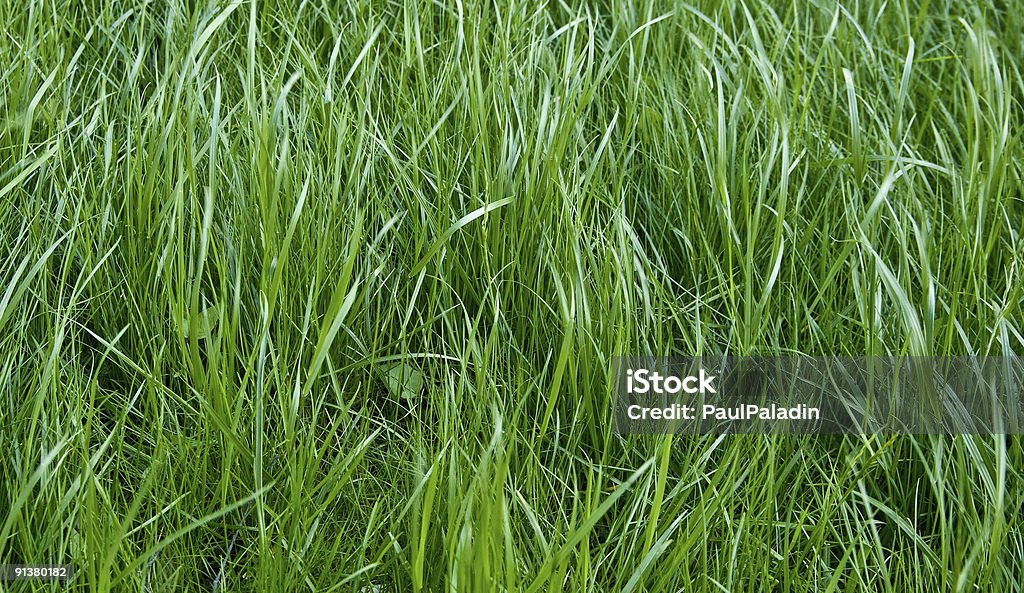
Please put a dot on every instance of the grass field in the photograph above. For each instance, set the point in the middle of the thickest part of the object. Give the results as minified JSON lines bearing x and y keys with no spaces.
{"x":322,"y":296}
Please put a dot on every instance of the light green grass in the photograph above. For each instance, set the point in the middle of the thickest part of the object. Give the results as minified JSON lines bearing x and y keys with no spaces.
{"x":335,"y":287}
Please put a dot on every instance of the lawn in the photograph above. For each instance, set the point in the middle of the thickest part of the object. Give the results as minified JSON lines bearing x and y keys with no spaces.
{"x":323,"y":296}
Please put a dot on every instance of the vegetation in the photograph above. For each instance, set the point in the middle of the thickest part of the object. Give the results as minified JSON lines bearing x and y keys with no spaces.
{"x":323,"y":296}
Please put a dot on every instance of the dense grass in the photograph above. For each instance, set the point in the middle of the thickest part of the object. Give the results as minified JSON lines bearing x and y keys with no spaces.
{"x":322,"y":296}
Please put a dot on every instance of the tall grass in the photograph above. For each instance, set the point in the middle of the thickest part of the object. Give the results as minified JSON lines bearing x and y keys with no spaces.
{"x":322,"y":296}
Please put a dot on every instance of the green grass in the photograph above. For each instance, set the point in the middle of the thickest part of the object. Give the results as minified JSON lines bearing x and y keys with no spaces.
{"x":322,"y":296}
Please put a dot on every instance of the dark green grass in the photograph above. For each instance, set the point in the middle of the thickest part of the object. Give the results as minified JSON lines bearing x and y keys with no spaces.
{"x":322,"y":296}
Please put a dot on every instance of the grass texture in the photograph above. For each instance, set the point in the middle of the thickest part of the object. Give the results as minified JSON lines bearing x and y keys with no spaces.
{"x":321,"y":296}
